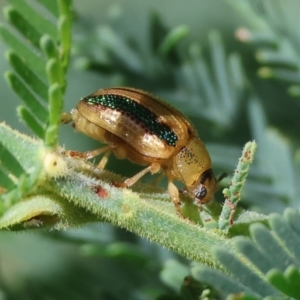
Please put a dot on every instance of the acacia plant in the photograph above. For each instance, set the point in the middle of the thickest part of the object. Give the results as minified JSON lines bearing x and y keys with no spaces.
{"x":236,"y":249}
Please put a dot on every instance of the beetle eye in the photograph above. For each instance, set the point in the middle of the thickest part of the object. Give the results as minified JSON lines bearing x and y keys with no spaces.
{"x":202,"y":193}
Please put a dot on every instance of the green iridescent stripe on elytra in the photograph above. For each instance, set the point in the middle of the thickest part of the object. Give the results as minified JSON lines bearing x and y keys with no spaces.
{"x":140,"y":113}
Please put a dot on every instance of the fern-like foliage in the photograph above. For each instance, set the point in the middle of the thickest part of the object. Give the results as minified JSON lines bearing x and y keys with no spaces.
{"x":278,"y":189}
{"x":267,"y":265}
{"x":39,"y":55}
{"x":273,"y":30}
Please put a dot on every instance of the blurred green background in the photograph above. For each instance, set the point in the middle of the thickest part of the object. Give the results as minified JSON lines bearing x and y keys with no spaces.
{"x":103,"y":262}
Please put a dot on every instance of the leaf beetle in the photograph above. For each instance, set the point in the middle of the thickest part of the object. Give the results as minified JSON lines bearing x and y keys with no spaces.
{"x":142,"y":128}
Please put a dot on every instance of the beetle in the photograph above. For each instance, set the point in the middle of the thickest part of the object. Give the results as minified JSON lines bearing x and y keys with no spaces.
{"x":146,"y":130}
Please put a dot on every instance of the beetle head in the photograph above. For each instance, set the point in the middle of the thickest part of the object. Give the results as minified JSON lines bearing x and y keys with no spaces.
{"x":207,"y":185}
{"x":205,"y":188}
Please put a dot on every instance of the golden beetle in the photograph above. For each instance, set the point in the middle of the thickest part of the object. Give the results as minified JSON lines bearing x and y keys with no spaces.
{"x":137,"y":125}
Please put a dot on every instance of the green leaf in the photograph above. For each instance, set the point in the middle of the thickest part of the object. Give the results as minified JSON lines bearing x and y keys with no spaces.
{"x":27,"y":97}
{"x":277,"y":188}
{"x":269,"y":244}
{"x":30,"y":68}
{"x":27,"y":75}
{"x":120,"y":49}
{"x":173,"y":274}
{"x":218,"y":91}
{"x":30,"y":120}
{"x":223,"y":283}
{"x":51,"y":6}
{"x":272,"y":57}
{"x":34,"y":212}
{"x":278,"y":280}
{"x":287,"y":236}
{"x":253,"y":254}
{"x":36,"y":19}
{"x":9,"y":162}
{"x":31,"y":58}
{"x":28,"y":149}
{"x":293,"y":218}
{"x":22,"y":25}
{"x":171,"y":40}
{"x":267,"y":259}
{"x":281,"y":74}
{"x":247,"y":275}
{"x":220,"y":70}
{"x":292,"y":275}
{"x":277,"y":52}
{"x":6,"y":182}
{"x":48,"y":46}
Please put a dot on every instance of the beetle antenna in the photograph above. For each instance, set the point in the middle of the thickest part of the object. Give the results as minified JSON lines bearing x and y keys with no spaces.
{"x":222,"y":176}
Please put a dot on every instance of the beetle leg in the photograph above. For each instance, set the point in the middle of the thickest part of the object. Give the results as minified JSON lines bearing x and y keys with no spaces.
{"x":104,"y":160}
{"x":174,"y":194}
{"x":91,"y":154}
{"x":153,"y":168}
{"x":119,"y":151}
{"x":94,"y":153}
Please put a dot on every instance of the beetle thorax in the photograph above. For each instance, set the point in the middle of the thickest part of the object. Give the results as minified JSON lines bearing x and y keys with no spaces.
{"x":191,"y":161}
{"x":192,"y":165}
